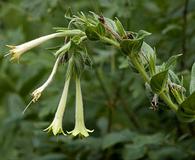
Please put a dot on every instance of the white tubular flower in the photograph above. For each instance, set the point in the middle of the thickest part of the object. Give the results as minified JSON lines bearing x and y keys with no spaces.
{"x":17,"y":51}
{"x":79,"y":128}
{"x":56,"y":125}
{"x":37,"y":93}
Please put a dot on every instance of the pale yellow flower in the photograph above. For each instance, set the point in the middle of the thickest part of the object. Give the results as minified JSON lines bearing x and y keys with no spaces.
{"x":56,"y":125}
{"x":17,"y":51}
{"x":79,"y":128}
{"x":37,"y":93}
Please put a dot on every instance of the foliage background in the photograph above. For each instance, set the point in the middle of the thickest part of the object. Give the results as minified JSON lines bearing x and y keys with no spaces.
{"x":116,"y":104}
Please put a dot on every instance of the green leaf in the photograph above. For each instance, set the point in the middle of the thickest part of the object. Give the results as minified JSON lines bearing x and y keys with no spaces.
{"x":142,"y":34}
{"x":148,"y":57}
{"x":116,"y":137}
{"x":172,"y":61}
{"x":189,"y":102}
{"x":120,"y":28}
{"x":131,"y":46}
{"x":173,"y":77}
{"x":140,"y":145}
{"x":154,"y":139}
{"x":133,"y":152}
{"x":158,"y":81}
{"x":192,"y":82}
{"x":186,"y":110}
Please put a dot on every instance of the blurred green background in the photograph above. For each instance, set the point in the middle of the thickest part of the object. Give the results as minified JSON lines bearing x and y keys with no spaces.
{"x":116,"y":104}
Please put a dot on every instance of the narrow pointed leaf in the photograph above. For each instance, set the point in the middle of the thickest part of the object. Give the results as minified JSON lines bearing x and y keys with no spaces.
{"x":120,"y":28}
{"x":171,"y":61}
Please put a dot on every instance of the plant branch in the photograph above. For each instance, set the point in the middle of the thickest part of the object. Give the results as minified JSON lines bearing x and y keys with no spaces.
{"x":184,"y":28}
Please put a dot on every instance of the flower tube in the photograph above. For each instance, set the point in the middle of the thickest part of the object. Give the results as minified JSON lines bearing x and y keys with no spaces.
{"x":56,"y":125}
{"x":37,"y":93}
{"x":17,"y":51}
{"x":79,"y":128}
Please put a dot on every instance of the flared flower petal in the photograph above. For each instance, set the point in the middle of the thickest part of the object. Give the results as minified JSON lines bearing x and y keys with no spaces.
{"x":79,"y":128}
{"x":56,"y":125}
{"x":17,"y":51}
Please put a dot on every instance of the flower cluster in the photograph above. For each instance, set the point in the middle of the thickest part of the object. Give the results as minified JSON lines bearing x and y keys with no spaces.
{"x":56,"y":127}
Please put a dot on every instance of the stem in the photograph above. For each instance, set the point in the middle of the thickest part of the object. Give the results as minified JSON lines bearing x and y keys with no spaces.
{"x":110,"y":41}
{"x":143,"y":73}
{"x":184,"y":28}
{"x":140,"y":68}
{"x":168,"y":101}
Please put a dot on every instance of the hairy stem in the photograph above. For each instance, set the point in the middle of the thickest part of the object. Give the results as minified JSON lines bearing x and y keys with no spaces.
{"x":144,"y":75}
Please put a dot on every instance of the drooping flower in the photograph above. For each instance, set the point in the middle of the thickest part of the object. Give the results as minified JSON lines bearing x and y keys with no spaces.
{"x":17,"y":51}
{"x":79,"y":128}
{"x":56,"y":125}
{"x":37,"y":93}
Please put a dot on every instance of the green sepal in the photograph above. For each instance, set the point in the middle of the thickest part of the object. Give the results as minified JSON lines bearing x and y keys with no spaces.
{"x":142,"y":34}
{"x":158,"y":81}
{"x":131,"y":46}
{"x":120,"y":28}
{"x":92,"y":33}
{"x":68,"y":14}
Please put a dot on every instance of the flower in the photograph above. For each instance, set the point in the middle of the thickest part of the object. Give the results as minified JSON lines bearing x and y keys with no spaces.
{"x":56,"y":125}
{"x":79,"y":128}
{"x":17,"y":51}
{"x":37,"y":93}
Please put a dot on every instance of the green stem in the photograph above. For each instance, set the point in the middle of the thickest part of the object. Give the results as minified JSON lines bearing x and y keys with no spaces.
{"x":168,"y":101}
{"x":110,"y":41}
{"x":140,"y":69}
{"x":143,"y":73}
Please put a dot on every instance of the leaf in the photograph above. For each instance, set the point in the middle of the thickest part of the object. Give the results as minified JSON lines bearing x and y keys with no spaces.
{"x":158,"y":81}
{"x":149,"y":56}
{"x":124,"y":64}
{"x":116,"y":137}
{"x":173,"y":77}
{"x":133,"y":46}
{"x":130,"y":46}
{"x":133,"y":152}
{"x":120,"y":28}
{"x":172,"y":60}
{"x":192,"y":82}
{"x":140,"y":145}
{"x":189,"y":102}
{"x":154,"y":139}
{"x":142,"y":34}
{"x":186,"y":110}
